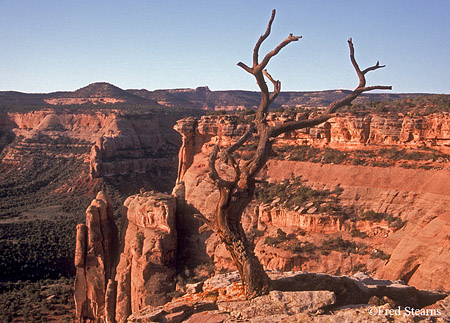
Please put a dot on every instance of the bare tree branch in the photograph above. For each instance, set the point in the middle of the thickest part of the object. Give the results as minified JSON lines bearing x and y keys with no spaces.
{"x":262,"y":39}
{"x":245,"y":67}
{"x":213,"y":171}
{"x":334,"y":106}
{"x":275,"y":51}
{"x":227,"y":158}
{"x":258,"y":71}
{"x":361,"y":74}
{"x":238,"y":144}
{"x":276,"y":86}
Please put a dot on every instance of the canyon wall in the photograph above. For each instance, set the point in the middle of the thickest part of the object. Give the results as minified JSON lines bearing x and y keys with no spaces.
{"x":353,"y":131}
{"x":114,"y":281}
{"x":120,"y":144}
{"x":95,"y":258}
{"x":419,"y":250}
{"x":158,"y":227}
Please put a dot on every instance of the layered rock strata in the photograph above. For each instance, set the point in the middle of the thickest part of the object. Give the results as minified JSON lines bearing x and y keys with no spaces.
{"x":95,"y":260}
{"x":121,"y":145}
{"x":108,"y":289}
{"x":135,"y":146}
{"x":146,"y":269}
{"x":418,"y":251}
{"x":342,"y":131}
{"x":300,"y":297}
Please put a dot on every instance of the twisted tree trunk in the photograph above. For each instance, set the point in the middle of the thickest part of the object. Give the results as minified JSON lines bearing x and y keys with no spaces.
{"x":229,"y":229}
{"x":236,"y":194}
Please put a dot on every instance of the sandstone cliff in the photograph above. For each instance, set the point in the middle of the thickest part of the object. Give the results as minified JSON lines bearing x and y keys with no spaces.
{"x":135,"y":145}
{"x":324,"y":233}
{"x":108,"y":288}
{"x":119,"y":144}
{"x":415,"y":251}
{"x":146,"y":270}
{"x":95,"y":259}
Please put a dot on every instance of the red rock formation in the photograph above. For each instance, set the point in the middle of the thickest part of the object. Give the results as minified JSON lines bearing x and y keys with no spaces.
{"x":121,"y":145}
{"x":195,"y":133}
{"x":350,"y":131}
{"x":107,"y":290}
{"x":95,"y":258}
{"x":419,"y":197}
{"x":145,"y":273}
{"x":300,"y":297}
{"x":130,"y":146}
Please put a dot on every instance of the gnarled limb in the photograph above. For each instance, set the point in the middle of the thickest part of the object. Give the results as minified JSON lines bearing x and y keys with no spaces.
{"x":213,"y":174}
{"x":276,"y":86}
{"x":257,"y":70}
{"x":241,"y":141}
{"x":334,"y":106}
{"x":262,"y":39}
{"x":235,"y":195}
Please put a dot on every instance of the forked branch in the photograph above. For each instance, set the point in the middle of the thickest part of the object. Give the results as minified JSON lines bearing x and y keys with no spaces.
{"x":213,"y":174}
{"x":276,"y":86}
{"x":258,"y":70}
{"x":226,"y":157}
{"x":262,"y":39}
{"x":334,"y":106}
{"x":258,"y":67}
{"x":275,"y":51}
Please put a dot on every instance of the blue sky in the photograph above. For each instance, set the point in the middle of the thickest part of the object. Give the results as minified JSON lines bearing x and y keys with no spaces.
{"x":52,"y":45}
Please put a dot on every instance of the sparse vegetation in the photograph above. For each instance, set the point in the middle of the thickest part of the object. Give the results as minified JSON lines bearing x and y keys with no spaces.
{"x":291,"y":193}
{"x":341,"y":245}
{"x":413,"y":105}
{"x":27,"y":301}
{"x":359,"y":267}
{"x":382,"y":157}
{"x":371,"y":215}
{"x":358,"y":234}
{"x":380,"y":254}
{"x":302,"y":247}
{"x":279,"y":238}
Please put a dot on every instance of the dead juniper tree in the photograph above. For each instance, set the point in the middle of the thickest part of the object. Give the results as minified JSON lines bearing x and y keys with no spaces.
{"x":238,"y":192}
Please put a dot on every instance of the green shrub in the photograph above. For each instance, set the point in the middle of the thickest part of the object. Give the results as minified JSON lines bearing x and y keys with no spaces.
{"x":333,"y":156}
{"x":292,"y":193}
{"x":371,"y":215}
{"x":341,"y":245}
{"x":380,"y":254}
{"x":305,"y":247}
{"x":273,"y":241}
{"x":393,"y":221}
{"x":359,"y":234}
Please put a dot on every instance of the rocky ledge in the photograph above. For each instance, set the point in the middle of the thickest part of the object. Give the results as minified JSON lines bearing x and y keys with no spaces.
{"x":302,"y":297}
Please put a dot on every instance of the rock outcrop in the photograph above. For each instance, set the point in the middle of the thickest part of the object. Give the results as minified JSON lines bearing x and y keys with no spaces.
{"x":95,"y":260}
{"x":108,"y":289}
{"x":157,"y":227}
{"x":146,"y":269}
{"x":301,"y":297}
{"x":136,"y":146}
{"x":350,"y":131}
{"x":414,"y":252}
{"x":119,"y":144}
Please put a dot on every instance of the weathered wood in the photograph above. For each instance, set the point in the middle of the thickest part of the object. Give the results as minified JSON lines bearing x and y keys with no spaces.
{"x":237,"y":194}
